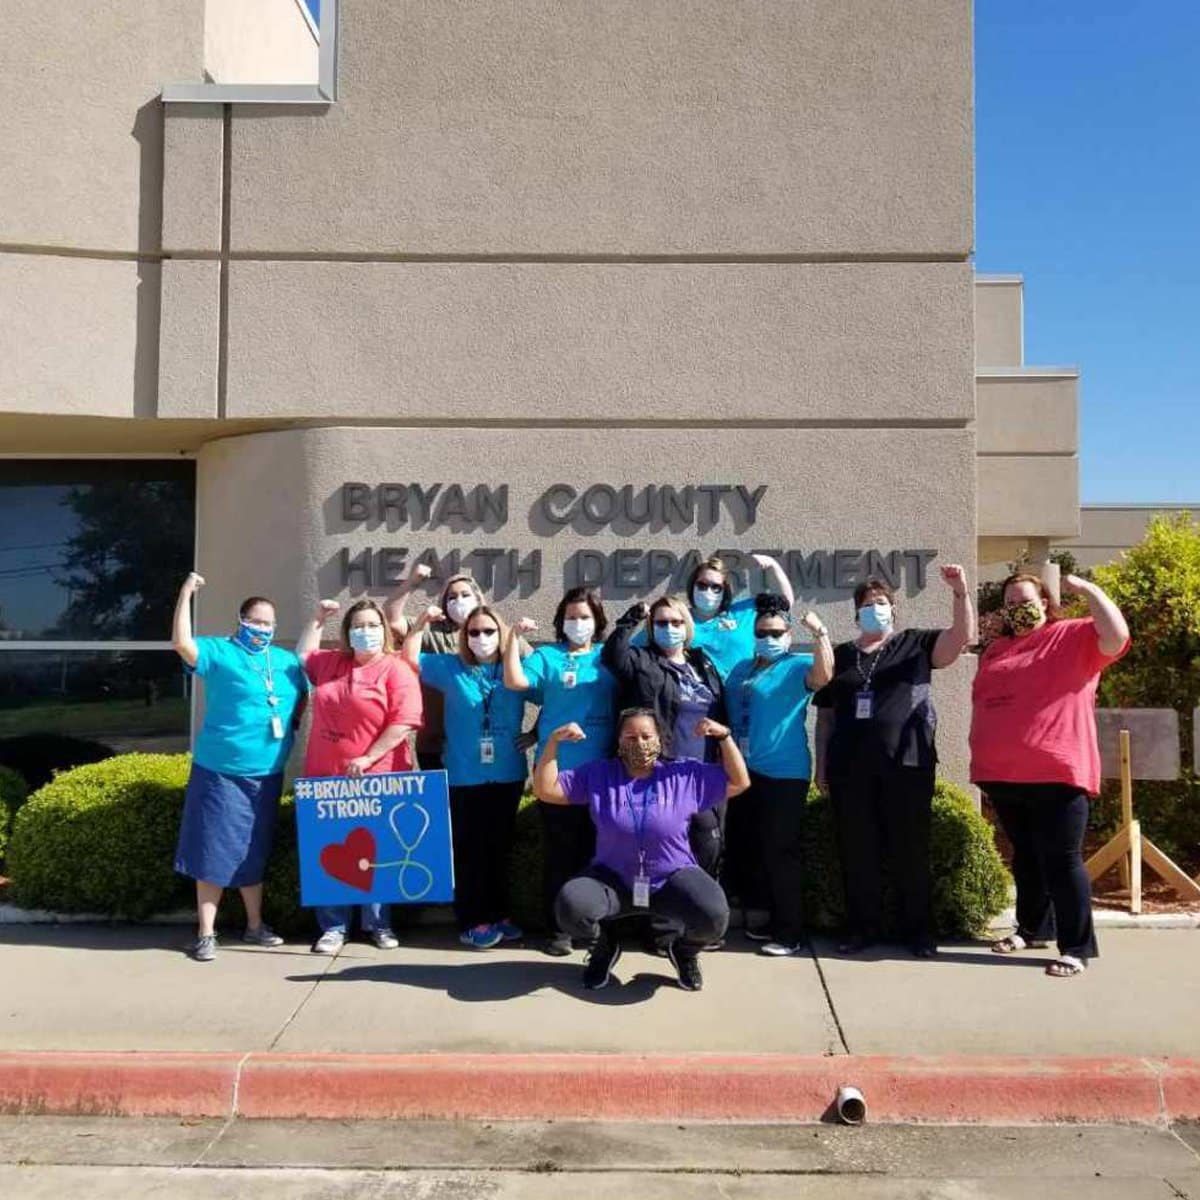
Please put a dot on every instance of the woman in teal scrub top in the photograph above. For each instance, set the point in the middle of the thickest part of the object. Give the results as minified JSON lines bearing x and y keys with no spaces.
{"x":571,"y":684}
{"x":725,"y":626}
{"x":485,"y":767}
{"x":252,"y":691}
{"x":767,"y":698}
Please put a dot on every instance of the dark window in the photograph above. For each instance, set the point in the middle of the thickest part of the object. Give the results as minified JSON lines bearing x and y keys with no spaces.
{"x":131,"y":700}
{"x":93,"y":551}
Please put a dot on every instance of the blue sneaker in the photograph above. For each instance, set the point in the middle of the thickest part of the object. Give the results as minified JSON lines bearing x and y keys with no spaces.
{"x":509,"y":931}
{"x":482,"y":937}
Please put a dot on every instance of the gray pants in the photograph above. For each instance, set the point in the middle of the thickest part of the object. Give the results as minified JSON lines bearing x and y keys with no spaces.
{"x":691,"y":903}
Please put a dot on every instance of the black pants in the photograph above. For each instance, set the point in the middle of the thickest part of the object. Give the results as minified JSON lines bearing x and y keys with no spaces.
{"x":764,"y":852}
{"x":1045,"y":823}
{"x":690,"y":903}
{"x":570,"y":839}
{"x":882,"y":811}
{"x":482,"y":817}
{"x":706,"y":836}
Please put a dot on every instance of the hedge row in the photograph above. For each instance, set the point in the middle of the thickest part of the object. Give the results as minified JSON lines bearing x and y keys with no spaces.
{"x":101,"y":838}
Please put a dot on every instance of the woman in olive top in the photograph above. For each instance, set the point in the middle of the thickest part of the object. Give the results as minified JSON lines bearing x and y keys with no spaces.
{"x":681,"y":685}
{"x":768,"y":697}
{"x":485,"y":768}
{"x":571,"y":684}
{"x":876,"y":754}
{"x":252,"y":691}
{"x":1034,"y":754}
{"x":460,"y":596}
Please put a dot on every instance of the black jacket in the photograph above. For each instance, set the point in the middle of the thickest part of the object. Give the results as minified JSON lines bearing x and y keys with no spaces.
{"x":646,"y":680}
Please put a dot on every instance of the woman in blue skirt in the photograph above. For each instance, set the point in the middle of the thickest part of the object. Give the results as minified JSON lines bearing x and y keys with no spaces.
{"x":251,"y":692}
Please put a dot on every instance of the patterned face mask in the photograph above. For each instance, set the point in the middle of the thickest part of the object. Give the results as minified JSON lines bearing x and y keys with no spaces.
{"x":1023,"y":617}
{"x":637,"y":756}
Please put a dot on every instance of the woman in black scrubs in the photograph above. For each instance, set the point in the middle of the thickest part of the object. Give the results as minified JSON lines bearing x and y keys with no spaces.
{"x":876,"y":758}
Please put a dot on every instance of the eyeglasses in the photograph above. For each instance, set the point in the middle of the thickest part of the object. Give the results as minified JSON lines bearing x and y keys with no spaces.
{"x":669,"y":623}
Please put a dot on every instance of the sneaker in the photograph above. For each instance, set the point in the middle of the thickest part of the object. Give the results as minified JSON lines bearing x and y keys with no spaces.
{"x":383,"y":939}
{"x":600,"y":963}
{"x":204,"y":948}
{"x":783,"y":949}
{"x":482,"y":937}
{"x":264,"y":935}
{"x":687,"y":967}
{"x":330,"y":942}
{"x":758,"y":933}
{"x":509,"y":931}
{"x":558,"y":946}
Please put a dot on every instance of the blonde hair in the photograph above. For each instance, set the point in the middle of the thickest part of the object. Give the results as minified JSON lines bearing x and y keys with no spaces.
{"x":678,"y":603}
{"x":465,"y":653}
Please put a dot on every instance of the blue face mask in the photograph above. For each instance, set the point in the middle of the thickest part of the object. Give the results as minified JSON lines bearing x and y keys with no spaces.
{"x":772,"y":647}
{"x":707,"y":601}
{"x":669,"y":636}
{"x":251,"y":638}
{"x":366,"y":638}
{"x":875,"y":618}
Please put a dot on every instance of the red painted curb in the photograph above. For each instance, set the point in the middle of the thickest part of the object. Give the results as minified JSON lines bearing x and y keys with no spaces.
{"x":952,"y":1089}
{"x":119,"y":1085}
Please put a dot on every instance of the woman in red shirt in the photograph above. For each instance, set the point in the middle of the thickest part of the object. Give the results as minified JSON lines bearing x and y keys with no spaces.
{"x":365,"y":702}
{"x":1034,"y":754}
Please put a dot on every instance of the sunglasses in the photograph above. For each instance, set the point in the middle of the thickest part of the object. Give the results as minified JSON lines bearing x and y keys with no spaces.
{"x":477,"y":633}
{"x":669,"y":623}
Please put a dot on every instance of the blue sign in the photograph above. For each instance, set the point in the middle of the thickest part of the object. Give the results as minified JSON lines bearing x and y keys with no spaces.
{"x":378,"y":839}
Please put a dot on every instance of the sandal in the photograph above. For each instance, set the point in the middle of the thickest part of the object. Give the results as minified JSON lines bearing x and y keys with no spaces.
{"x":1015,"y":942}
{"x":1065,"y":967}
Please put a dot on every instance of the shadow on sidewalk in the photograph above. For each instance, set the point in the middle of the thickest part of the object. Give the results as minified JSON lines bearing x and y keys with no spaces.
{"x":485,"y":982}
{"x":972,"y":954}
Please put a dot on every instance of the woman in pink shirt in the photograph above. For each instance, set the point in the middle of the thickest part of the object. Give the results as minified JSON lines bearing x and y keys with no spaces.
{"x":365,"y":701}
{"x":1035,"y":756}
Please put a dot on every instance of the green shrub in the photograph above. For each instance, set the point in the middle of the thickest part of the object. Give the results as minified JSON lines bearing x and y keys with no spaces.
{"x":13,"y":793}
{"x":1156,"y":584}
{"x":970,"y":882}
{"x":101,"y":838}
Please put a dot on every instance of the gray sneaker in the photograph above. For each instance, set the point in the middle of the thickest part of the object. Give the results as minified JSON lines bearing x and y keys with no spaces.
{"x":204,"y":948}
{"x":264,"y":935}
{"x":383,"y":939}
{"x":330,"y":942}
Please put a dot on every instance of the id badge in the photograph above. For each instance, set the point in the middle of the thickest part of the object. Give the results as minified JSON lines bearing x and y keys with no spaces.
{"x":487,"y":750}
{"x":569,"y":678}
{"x":641,"y":891}
{"x":276,"y":727}
{"x":864,"y":705}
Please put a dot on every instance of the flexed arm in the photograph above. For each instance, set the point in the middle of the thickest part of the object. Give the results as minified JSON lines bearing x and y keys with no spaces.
{"x":545,"y":774}
{"x":1111,"y":626}
{"x":393,"y":606}
{"x":953,"y":641}
{"x":182,"y":637}
{"x":515,"y":649}
{"x":776,"y":575}
{"x":310,"y":635}
{"x":411,"y":650}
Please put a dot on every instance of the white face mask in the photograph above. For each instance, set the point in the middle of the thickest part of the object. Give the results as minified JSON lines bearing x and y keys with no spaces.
{"x":366,"y":638}
{"x":460,"y":608}
{"x":578,"y":630}
{"x":483,"y":644}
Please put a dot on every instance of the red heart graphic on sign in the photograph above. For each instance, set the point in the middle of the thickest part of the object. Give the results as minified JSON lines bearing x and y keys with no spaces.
{"x":350,"y":861}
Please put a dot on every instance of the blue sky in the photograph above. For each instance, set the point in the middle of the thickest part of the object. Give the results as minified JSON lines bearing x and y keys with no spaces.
{"x":1088,"y":185}
{"x":314,"y":7}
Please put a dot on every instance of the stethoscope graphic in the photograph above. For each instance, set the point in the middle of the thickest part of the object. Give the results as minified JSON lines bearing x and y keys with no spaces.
{"x":406,"y":863}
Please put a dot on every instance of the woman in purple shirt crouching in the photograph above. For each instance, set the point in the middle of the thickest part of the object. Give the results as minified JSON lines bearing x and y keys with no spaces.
{"x":641,"y":805}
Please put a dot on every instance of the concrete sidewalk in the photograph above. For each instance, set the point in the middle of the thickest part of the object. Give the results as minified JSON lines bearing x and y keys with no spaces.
{"x":452,"y":1015}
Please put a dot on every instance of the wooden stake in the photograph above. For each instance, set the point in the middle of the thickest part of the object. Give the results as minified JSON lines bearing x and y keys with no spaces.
{"x":1128,"y":848}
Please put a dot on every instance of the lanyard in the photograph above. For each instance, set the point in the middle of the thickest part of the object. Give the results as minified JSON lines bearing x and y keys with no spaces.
{"x":265,"y":675}
{"x":487,"y":689}
{"x":869,"y":674}
{"x":639,"y":826}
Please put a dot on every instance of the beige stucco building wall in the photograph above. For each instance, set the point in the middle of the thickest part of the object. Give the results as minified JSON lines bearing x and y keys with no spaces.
{"x":626,"y":242}
{"x":1105,"y":530}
